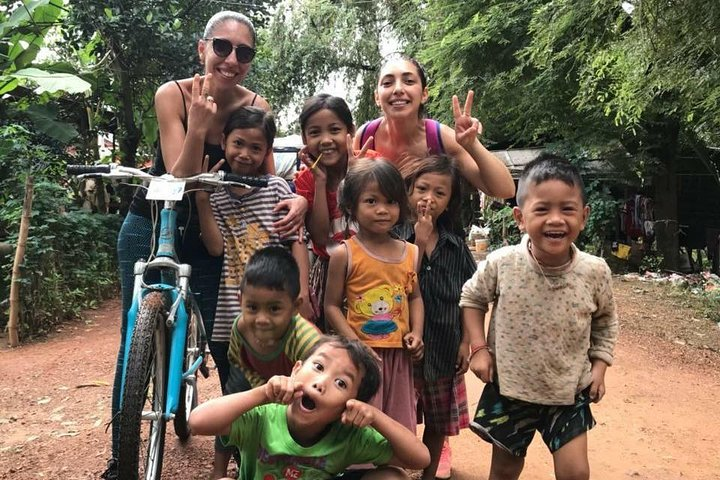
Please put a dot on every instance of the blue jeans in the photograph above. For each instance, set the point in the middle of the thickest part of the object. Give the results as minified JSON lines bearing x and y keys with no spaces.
{"x":134,"y":244}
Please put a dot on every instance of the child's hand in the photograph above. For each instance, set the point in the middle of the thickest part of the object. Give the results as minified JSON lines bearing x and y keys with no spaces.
{"x":463,"y":358}
{"x":467,"y":128}
{"x":202,"y":195}
{"x":597,"y":385}
{"x":414,"y":345}
{"x":206,"y":164}
{"x":424,"y":224}
{"x":358,"y":414}
{"x":481,"y":365}
{"x":305,"y":309}
{"x":282,"y":389}
{"x":352,"y":156}
{"x":317,"y":168}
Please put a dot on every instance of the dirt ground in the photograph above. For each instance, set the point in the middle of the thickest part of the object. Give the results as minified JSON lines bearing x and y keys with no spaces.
{"x":658,"y":420}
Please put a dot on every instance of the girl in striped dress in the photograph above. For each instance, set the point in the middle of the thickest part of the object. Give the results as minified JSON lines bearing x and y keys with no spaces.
{"x":236,"y":222}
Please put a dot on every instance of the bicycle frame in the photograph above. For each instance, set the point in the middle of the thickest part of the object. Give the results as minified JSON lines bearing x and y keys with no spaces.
{"x":168,"y":342}
{"x":177,"y":321}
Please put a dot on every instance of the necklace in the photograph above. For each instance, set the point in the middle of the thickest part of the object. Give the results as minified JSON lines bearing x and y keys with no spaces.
{"x":555,"y":285}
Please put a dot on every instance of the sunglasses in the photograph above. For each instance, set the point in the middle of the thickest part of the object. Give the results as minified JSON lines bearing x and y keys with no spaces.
{"x":223,"y":48}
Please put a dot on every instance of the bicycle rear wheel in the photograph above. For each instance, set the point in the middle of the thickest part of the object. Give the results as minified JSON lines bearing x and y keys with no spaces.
{"x":142,"y":440}
{"x":194,"y":348}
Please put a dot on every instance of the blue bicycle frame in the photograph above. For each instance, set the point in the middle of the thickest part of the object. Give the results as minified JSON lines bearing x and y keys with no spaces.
{"x":177,"y":320}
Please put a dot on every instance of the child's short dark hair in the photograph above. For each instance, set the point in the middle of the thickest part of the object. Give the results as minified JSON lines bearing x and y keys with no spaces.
{"x":442,"y":165}
{"x":325,"y":101}
{"x":274,"y":268}
{"x":367,"y":170}
{"x":252,"y":117}
{"x":362,"y":358}
{"x":549,"y":166}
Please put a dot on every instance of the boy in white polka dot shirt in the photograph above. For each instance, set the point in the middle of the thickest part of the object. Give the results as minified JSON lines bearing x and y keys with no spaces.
{"x":552,"y":330}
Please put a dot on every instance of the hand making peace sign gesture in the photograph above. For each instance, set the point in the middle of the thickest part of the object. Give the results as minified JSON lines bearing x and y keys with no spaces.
{"x":352,"y":157}
{"x":202,"y":104}
{"x":467,"y":128}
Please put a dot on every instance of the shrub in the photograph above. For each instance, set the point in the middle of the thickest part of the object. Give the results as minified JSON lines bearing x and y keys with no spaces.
{"x":70,"y":261}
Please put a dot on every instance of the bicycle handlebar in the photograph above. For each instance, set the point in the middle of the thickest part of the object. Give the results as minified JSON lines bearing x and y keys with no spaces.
{"x":245,"y":180}
{"x":87,"y":169}
{"x":119,"y":172}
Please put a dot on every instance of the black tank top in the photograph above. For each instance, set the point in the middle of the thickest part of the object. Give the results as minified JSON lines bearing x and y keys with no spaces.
{"x":141,"y":206}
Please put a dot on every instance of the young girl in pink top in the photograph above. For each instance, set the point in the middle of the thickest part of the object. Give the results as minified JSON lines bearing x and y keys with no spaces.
{"x":376,"y":275}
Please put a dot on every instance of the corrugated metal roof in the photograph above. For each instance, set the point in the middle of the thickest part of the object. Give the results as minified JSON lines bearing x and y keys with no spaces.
{"x":517,"y":158}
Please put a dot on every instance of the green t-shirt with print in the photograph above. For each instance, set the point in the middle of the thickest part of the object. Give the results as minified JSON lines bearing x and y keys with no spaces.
{"x":268,"y":451}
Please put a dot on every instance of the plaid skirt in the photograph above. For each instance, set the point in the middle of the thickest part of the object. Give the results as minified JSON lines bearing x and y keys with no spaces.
{"x":442,"y":404}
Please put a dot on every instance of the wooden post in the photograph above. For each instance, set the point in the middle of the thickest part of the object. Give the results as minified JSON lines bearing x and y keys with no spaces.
{"x":19,"y":256}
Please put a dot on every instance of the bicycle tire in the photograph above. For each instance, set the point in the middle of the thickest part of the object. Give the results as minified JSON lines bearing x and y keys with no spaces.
{"x":194,"y":347}
{"x":145,"y":387}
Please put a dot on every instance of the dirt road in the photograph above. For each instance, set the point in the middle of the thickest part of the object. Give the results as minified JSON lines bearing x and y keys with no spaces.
{"x":658,"y":420}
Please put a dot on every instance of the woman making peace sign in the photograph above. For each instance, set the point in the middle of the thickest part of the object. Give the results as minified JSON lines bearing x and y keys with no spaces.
{"x":191,"y":115}
{"x":403,"y":131}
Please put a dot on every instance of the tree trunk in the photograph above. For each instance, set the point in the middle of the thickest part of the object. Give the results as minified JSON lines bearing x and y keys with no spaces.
{"x":666,"y":191}
{"x":129,"y":133}
{"x":14,"y":339}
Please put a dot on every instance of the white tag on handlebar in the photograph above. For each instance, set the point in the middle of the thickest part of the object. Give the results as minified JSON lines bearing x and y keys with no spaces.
{"x":164,"y":190}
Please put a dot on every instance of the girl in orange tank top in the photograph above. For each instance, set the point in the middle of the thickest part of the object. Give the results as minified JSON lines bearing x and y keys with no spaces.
{"x":374,"y":275}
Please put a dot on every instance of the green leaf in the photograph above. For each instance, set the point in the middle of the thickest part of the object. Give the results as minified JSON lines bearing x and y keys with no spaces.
{"x":108,"y":13}
{"x":45,"y":119}
{"x":53,"y":82}
{"x":22,"y":15}
{"x":7,"y":84}
{"x":177,"y":24}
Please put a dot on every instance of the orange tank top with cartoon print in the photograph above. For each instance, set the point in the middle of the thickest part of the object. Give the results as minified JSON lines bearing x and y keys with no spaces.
{"x":377,"y":290}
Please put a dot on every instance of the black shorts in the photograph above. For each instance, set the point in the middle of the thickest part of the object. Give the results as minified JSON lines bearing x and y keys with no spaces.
{"x":511,"y":424}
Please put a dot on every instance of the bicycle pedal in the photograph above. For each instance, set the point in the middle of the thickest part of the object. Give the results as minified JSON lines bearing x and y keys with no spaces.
{"x":204,"y":370}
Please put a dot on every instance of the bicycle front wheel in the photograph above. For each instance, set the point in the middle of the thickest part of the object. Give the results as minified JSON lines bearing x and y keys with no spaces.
{"x":194,"y":348}
{"x":142,"y":425}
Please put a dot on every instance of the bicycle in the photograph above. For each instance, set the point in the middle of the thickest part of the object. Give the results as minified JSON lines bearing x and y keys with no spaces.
{"x":165,"y":339}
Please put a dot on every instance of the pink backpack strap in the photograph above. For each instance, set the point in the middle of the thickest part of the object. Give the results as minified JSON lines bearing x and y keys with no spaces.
{"x":433,"y":137}
{"x":368,"y":130}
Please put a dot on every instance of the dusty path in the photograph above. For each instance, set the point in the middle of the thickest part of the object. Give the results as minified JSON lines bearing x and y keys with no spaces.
{"x":657,"y":422}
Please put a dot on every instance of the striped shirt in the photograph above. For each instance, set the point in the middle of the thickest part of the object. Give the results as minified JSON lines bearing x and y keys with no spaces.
{"x":245,"y":222}
{"x":300,"y":336}
{"x":441,"y":278}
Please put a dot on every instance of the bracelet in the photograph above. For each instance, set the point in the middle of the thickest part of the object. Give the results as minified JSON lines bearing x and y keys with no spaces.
{"x":476,"y":348}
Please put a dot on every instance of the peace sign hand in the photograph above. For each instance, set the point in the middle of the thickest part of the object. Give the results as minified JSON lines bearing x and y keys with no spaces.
{"x":202,"y":104}
{"x":202,"y":194}
{"x":423,"y":225}
{"x":352,"y":157}
{"x":206,"y":164}
{"x":467,"y":128}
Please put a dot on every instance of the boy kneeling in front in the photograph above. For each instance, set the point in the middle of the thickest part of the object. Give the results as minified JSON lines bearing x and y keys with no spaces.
{"x":315,"y":423}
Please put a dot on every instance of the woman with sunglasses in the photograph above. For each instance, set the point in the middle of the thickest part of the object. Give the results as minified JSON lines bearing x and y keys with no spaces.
{"x":191,"y":114}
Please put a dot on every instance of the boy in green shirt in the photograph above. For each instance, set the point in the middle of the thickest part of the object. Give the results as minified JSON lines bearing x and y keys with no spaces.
{"x":314,"y":423}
